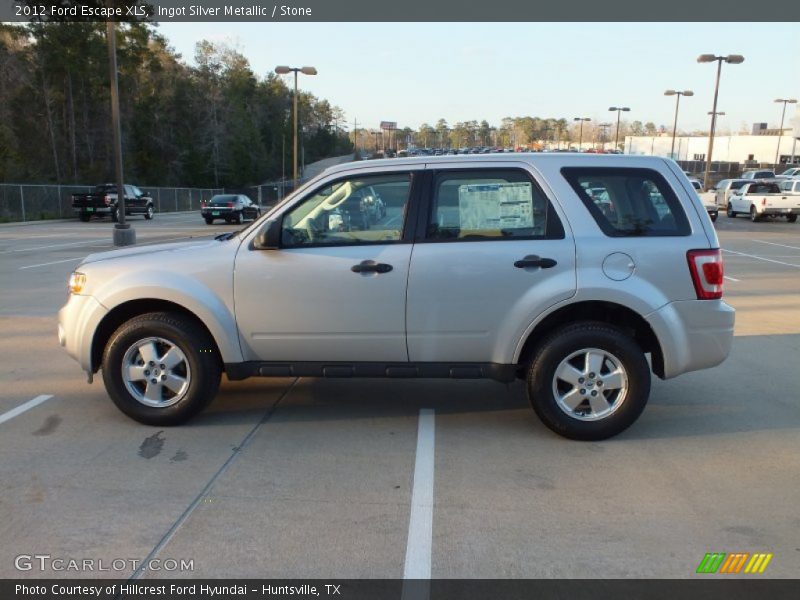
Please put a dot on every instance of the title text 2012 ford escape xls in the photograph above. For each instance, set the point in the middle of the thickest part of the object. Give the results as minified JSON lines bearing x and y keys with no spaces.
{"x":563,"y":269}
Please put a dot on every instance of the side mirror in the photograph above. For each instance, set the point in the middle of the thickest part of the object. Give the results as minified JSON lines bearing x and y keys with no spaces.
{"x":269,"y":238}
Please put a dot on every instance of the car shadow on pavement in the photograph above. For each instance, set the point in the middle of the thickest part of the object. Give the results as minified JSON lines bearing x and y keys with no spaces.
{"x":751,"y":391}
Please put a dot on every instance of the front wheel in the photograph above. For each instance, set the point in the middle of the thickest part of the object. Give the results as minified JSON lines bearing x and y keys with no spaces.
{"x":161,"y":368}
{"x":588,"y":381}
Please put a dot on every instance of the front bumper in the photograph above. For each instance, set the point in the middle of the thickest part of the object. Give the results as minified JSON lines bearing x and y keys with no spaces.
{"x":693,"y":334}
{"x":77,"y":322}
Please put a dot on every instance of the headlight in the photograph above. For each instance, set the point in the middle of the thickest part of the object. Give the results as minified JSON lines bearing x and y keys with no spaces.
{"x":77,"y":281}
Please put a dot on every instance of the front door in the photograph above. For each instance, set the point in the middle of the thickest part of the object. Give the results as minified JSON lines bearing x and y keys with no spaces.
{"x":336,"y":289}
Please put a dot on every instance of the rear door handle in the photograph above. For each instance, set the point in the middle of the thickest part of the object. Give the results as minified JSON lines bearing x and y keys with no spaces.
{"x":532,"y":260}
{"x":370,"y":266}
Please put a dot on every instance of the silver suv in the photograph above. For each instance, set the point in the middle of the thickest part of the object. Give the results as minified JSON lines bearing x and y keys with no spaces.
{"x":565,"y":270}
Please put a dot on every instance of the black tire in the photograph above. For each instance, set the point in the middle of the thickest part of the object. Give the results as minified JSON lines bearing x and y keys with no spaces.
{"x":570,"y":339}
{"x":713,"y":217}
{"x":729,"y":211}
{"x":115,"y":214}
{"x":84,"y":217}
{"x":791,"y":218}
{"x":150,"y":212}
{"x":754,"y":215}
{"x":209,"y":220}
{"x":238,"y":218}
{"x":200,"y":353}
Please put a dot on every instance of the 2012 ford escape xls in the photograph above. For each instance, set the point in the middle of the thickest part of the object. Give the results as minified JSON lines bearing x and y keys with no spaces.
{"x":567,"y":270}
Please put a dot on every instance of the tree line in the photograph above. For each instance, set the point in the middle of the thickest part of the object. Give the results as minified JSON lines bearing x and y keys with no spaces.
{"x":213,"y":123}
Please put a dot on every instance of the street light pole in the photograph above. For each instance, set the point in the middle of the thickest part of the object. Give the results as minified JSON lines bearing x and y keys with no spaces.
{"x":604,"y":127}
{"x":780,"y":129}
{"x":283,"y":70}
{"x":123,"y":234}
{"x":580,"y":135}
{"x":675,"y":123}
{"x":619,"y":110}
{"x":733,"y":59}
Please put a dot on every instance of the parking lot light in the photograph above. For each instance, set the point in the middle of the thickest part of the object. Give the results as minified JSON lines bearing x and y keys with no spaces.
{"x":733,"y":59}
{"x":580,"y":135}
{"x":283,"y":70}
{"x":785,"y":101}
{"x":675,"y":123}
{"x":619,"y":110}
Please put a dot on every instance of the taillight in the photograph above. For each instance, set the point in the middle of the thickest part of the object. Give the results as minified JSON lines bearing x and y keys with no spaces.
{"x":107,"y":199}
{"x":230,"y":205}
{"x":763,"y":202}
{"x":707,"y":273}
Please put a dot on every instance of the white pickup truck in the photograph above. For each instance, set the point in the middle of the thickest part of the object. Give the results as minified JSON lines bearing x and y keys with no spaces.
{"x":761,"y":199}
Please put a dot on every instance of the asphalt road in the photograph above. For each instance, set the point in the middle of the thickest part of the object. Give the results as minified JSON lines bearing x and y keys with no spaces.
{"x":335,"y":478}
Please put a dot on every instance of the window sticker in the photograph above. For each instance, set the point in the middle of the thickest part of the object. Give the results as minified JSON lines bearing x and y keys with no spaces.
{"x":495,"y":206}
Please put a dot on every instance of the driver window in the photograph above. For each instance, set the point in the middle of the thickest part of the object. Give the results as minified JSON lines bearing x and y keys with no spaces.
{"x":359,"y":210}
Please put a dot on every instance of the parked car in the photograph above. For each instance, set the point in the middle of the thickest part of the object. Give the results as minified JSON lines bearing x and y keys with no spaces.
{"x":102,"y":201}
{"x":789,"y":173}
{"x":499,"y":270}
{"x":790,"y":187}
{"x":758,"y":174}
{"x":706,"y":198}
{"x":724,"y":189}
{"x":232,"y":208}
{"x":761,"y":199}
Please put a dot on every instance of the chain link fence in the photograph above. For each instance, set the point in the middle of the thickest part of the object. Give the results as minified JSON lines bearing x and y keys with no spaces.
{"x":33,"y":202}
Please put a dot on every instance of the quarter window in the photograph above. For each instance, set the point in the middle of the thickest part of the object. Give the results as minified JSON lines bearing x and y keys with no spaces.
{"x":489,"y":205}
{"x":358,"y":210}
{"x":629,"y":202}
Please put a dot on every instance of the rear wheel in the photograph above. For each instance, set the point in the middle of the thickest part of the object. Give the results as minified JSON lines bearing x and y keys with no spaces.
{"x":209,"y":220}
{"x":588,"y":381}
{"x":161,"y":368}
{"x":713,"y":216}
{"x":791,"y":218}
{"x":238,"y":218}
{"x":754,"y":214}
{"x":84,"y":217}
{"x":149,"y":214}
{"x":115,"y":214}
{"x":729,"y":211}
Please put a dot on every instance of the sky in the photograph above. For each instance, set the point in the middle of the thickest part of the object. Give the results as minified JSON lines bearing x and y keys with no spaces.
{"x":414,"y":73}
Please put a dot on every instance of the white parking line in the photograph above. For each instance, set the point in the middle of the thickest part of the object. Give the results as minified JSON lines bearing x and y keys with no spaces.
{"x":731,"y":278}
{"x":420,"y":526}
{"x":762,"y":258}
{"x":55,"y":262}
{"x":83,"y":243}
{"x":23,"y":407}
{"x":776,"y":244}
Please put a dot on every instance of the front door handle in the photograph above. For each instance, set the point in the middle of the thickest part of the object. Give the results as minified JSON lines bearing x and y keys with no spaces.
{"x":370,"y":266}
{"x":533,"y":260}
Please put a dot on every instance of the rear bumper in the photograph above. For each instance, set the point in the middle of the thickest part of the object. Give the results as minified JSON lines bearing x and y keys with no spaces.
{"x":693,"y":334}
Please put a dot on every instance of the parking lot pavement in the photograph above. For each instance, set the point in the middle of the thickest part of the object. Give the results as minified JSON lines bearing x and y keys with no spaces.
{"x":317,"y":478}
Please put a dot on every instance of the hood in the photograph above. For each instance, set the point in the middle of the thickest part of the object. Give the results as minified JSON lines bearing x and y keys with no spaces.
{"x":190,"y":246}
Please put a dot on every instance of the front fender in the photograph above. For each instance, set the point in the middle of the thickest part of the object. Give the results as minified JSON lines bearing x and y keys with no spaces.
{"x":214,"y":307}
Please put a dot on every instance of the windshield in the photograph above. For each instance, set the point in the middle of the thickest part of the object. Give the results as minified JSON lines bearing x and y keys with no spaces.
{"x":222,"y":199}
{"x":764,"y":188}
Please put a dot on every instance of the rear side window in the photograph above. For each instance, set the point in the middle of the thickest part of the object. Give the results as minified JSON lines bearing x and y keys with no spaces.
{"x":490,"y":204}
{"x":629,"y":202}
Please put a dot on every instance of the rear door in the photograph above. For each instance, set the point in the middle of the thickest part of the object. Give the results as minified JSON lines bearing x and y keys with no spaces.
{"x":491,"y":254}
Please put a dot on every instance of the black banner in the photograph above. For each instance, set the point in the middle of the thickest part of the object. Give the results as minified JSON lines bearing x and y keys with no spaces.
{"x":705,"y":587}
{"x":399,"y":11}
